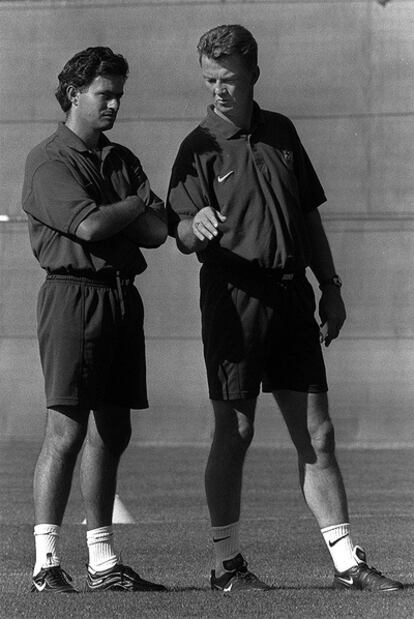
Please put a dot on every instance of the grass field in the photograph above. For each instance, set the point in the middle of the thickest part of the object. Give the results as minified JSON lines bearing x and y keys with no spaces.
{"x":162,"y":487}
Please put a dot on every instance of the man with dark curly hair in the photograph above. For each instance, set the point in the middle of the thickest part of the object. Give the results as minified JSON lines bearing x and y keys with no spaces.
{"x":244,"y":196}
{"x":90,"y":208}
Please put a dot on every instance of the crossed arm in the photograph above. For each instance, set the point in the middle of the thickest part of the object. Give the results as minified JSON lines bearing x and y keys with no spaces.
{"x":62,"y":203}
{"x":139,"y":223}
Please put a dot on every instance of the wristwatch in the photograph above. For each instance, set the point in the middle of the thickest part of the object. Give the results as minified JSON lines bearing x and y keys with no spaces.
{"x":333,"y":281}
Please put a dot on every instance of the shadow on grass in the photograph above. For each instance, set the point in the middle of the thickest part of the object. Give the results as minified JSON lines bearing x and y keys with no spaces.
{"x":271,"y":588}
{"x":407,"y":587}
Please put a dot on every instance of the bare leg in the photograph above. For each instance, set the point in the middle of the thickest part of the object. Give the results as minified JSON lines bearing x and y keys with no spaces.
{"x":64,"y":436}
{"x":108,"y":435}
{"x":233,"y":434}
{"x":309,"y":424}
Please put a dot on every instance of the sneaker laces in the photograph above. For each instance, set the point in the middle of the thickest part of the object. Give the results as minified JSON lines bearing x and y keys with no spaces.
{"x":246,"y":575}
{"x":361,"y":557}
{"x":368,"y":573}
{"x":125,"y":570}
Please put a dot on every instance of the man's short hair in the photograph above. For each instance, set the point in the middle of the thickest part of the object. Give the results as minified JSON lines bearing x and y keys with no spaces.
{"x":228,"y":40}
{"x":83,"y":67}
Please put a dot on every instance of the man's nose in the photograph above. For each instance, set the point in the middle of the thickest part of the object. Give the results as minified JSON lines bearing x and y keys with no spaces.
{"x":113,"y":104}
{"x":219,"y":89}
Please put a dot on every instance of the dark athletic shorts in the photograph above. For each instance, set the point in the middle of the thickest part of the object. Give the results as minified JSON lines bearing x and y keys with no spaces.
{"x":91,"y":353}
{"x":257,"y":331}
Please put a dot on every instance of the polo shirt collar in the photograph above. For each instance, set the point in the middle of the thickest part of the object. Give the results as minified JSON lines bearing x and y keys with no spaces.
{"x":226,"y":129}
{"x":73,"y":141}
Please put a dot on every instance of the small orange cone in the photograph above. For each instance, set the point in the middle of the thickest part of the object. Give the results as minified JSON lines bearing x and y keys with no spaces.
{"x":120,"y":515}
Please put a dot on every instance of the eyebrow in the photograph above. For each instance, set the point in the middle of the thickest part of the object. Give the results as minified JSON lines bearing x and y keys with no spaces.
{"x":110,"y":92}
{"x":225,"y":77}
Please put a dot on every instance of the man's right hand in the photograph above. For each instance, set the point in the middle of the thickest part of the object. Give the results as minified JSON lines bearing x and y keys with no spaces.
{"x":206,"y":224}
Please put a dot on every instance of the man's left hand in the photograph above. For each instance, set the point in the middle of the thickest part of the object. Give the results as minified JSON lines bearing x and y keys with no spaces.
{"x":332,"y":313}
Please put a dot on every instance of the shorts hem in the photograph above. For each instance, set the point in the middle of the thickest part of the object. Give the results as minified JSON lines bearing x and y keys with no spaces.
{"x":141,"y":405}
{"x":300,"y":388}
{"x":62,"y":402}
{"x":243,"y":395}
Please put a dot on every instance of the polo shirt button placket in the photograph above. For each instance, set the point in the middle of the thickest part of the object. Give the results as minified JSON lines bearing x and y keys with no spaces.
{"x":258,"y":160}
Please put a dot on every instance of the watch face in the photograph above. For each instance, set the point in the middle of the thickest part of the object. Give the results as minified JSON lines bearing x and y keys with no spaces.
{"x":337,"y":281}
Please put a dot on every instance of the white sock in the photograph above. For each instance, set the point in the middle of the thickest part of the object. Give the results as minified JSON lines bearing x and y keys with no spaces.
{"x":46,"y":546}
{"x":340,"y":546}
{"x":226,"y":544}
{"x":102,"y":555}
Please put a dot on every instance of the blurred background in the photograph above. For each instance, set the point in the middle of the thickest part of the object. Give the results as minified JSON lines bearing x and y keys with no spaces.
{"x":342,"y":70}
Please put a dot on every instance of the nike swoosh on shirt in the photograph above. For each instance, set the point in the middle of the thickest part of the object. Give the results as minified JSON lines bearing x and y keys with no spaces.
{"x":223,"y":178}
{"x":337,"y":540}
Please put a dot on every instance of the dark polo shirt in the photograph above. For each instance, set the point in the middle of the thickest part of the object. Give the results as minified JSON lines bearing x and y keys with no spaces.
{"x":262,"y":181}
{"x":64,"y":182}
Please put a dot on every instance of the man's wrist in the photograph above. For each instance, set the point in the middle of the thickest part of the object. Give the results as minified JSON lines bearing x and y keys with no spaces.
{"x":141,"y":206}
{"x":199,"y":244}
{"x":333,"y":282}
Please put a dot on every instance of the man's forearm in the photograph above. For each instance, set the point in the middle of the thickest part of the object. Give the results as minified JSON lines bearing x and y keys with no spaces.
{"x":332,"y":311}
{"x":187,"y":242}
{"x":109,"y":219}
{"x":322,"y":263}
{"x":148,"y":230}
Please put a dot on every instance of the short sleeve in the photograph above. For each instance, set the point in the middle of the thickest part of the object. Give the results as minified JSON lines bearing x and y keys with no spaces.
{"x":311,"y":191}
{"x":57,"y":199}
{"x":142,"y":186}
{"x":185,"y":193}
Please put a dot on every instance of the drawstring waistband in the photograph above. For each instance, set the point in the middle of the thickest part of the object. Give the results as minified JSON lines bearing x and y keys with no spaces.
{"x":113,"y":280}
{"x":120,"y":293}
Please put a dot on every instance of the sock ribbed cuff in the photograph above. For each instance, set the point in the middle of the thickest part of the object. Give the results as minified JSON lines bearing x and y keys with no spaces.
{"x":337,"y":530}
{"x":226,"y":542}
{"x":102,"y":555}
{"x":101,"y":534}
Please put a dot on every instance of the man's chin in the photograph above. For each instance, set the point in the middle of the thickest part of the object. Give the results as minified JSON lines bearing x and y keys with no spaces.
{"x":107,"y":123}
{"x":225,"y":112}
{"x":224,"y":108}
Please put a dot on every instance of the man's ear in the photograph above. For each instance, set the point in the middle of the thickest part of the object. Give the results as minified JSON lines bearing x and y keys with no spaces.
{"x":72,"y":94}
{"x":256,"y":75}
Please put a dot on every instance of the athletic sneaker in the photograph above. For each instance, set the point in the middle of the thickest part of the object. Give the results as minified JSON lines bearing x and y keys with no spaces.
{"x":236,"y":578}
{"x":52,"y":580}
{"x":118,"y":578}
{"x":363,"y":577}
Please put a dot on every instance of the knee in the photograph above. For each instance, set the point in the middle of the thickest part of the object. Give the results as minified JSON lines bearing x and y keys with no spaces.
{"x":64,"y":440}
{"x":119,"y":441}
{"x":323,"y":438}
{"x":235,"y":437}
{"x":245,"y":433}
{"x":114,"y":437}
{"x":317,"y":444}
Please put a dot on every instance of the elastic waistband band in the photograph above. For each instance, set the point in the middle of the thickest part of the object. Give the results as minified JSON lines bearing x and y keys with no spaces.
{"x":279,"y":275}
{"x":113,"y":281}
{"x":256,"y":273}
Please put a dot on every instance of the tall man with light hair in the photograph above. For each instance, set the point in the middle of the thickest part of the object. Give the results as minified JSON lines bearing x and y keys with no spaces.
{"x":244,"y":197}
